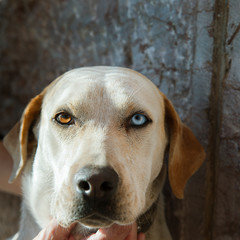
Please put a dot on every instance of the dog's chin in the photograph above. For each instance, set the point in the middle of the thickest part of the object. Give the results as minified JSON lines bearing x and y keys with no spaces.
{"x":85,"y":232}
{"x":82,"y":230}
{"x":96,"y":221}
{"x":89,"y":227}
{"x":91,"y":224}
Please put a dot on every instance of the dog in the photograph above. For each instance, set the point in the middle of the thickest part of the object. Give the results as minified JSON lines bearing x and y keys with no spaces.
{"x":90,"y":149}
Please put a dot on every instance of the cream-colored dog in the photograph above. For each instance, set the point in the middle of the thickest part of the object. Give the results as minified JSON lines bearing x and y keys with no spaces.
{"x":91,"y":148}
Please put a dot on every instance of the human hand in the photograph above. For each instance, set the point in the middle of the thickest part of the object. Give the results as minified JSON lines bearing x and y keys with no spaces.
{"x":55,"y":232}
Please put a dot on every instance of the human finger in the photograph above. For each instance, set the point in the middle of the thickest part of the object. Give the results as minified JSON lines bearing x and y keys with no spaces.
{"x":141,"y":236}
{"x":133,"y":233}
{"x":115,"y":232}
{"x":54,"y":232}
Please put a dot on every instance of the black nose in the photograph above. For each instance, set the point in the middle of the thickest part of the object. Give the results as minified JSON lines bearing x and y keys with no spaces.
{"x":96,"y":182}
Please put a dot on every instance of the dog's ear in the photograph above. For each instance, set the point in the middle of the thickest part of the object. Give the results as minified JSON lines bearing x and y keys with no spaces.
{"x":185,"y":152}
{"x":18,"y":140}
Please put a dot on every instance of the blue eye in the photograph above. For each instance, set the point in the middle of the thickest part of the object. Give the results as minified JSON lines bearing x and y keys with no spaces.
{"x":138,"y":120}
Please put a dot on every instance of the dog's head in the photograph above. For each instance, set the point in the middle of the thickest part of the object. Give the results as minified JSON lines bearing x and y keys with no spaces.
{"x":92,"y":146}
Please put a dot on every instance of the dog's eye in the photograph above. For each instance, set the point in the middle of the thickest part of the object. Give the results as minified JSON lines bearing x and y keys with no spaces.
{"x":138,"y":120}
{"x":64,"y":118}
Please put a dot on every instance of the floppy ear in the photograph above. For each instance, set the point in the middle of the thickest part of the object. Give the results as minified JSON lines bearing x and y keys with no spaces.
{"x":185,"y":152}
{"x":18,"y":140}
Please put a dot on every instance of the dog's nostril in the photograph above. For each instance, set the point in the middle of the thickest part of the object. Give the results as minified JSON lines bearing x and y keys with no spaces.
{"x":84,"y":185}
{"x":106,"y":187}
{"x":96,"y":182}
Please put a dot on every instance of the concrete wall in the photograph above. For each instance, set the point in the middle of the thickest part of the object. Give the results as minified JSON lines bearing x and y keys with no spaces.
{"x":190,"y":49}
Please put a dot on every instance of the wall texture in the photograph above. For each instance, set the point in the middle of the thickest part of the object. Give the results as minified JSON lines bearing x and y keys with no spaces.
{"x":190,"y":49}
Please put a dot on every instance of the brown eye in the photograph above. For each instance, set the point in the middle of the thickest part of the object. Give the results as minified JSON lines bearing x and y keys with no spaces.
{"x":64,"y":118}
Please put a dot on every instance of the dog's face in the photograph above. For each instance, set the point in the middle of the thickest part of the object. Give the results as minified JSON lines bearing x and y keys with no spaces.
{"x":101,"y":138}
{"x":98,"y":119}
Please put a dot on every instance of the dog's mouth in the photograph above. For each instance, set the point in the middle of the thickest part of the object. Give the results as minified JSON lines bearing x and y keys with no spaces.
{"x":96,"y":221}
{"x":93,"y":221}
{"x":81,"y":231}
{"x":85,"y":231}
{"x":91,"y":224}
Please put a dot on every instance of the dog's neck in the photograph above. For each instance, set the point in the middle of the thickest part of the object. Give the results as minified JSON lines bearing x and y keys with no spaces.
{"x":145,"y":220}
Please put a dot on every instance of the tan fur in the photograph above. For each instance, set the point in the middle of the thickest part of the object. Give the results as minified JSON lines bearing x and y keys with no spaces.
{"x":101,"y":99}
{"x":186,"y":153}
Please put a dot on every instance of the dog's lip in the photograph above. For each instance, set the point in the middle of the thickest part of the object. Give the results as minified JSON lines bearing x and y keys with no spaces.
{"x":90,"y":227}
{"x":96,"y":221}
{"x":88,"y":232}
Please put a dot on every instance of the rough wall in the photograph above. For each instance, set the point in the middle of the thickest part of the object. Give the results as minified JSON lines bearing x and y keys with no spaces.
{"x":188,"y":48}
{"x":224,"y":145}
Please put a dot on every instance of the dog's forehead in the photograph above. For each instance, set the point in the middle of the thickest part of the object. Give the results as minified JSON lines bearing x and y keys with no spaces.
{"x":95,"y":86}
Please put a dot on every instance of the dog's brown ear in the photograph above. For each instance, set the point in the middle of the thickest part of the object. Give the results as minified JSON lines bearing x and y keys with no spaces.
{"x":185,"y":152}
{"x":17,"y":141}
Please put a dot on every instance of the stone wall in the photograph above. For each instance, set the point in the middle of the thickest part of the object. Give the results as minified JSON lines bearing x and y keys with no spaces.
{"x":190,"y":49}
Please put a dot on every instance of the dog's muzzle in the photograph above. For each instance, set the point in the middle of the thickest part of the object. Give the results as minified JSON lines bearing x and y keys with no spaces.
{"x":95,"y":193}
